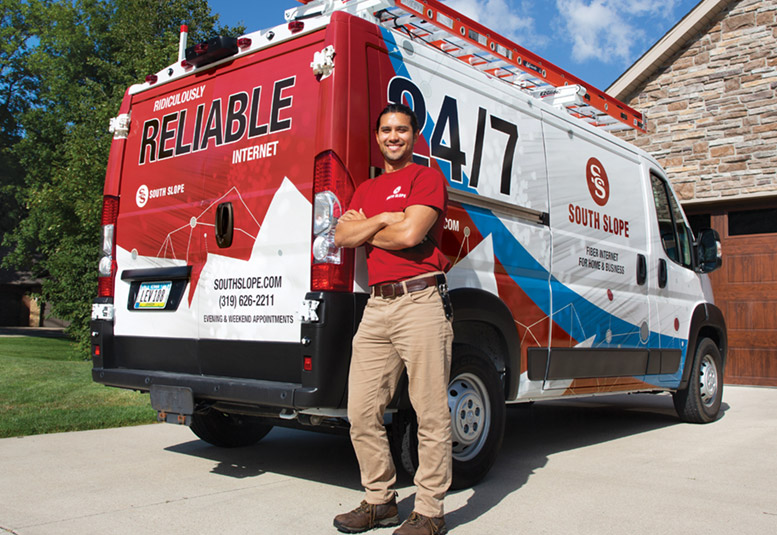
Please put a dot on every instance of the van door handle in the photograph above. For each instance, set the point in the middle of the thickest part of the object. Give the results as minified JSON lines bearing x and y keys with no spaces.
{"x":662,"y":274}
{"x":641,"y":269}
{"x":225,"y":224}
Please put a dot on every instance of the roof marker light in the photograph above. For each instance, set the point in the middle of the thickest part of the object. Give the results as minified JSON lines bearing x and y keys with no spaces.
{"x":243,"y":42}
{"x":152,"y":78}
{"x":296,"y":26}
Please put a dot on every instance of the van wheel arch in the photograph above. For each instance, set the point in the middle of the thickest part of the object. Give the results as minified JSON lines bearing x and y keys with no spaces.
{"x":706,"y":322}
{"x":482,"y":320}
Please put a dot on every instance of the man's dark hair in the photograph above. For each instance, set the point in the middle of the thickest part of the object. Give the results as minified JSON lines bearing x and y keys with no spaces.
{"x":399,"y":108}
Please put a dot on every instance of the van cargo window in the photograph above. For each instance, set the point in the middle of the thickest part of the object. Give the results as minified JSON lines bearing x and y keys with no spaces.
{"x":675,"y":235}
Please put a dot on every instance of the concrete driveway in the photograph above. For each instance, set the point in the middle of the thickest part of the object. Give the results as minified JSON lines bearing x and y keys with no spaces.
{"x":619,"y":464}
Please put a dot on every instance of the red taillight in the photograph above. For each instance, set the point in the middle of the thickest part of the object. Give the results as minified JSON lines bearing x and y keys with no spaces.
{"x":110,"y":210}
{"x":307,"y":364}
{"x":331,"y":267}
{"x":108,"y":267}
{"x":331,"y":175}
{"x":105,"y":284}
{"x":331,"y":277}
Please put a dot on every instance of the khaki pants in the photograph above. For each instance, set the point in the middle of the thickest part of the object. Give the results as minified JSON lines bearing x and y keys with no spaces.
{"x":410,"y":331}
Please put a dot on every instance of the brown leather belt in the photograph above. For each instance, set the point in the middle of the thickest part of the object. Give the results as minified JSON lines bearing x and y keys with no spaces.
{"x":395,"y":289}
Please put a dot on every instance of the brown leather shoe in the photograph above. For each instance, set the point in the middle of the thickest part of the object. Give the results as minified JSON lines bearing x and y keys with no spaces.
{"x":368,"y":516}
{"x":418,"y":524}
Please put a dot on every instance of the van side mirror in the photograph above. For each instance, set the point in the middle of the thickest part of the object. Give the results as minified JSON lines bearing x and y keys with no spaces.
{"x":709,"y":253}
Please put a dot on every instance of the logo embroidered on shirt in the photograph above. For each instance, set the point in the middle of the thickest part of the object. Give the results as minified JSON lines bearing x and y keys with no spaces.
{"x":397,"y":194}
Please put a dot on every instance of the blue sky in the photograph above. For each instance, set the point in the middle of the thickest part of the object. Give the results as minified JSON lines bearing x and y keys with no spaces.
{"x":596,"y":40}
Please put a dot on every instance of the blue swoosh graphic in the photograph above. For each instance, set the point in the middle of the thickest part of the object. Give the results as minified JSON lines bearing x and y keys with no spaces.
{"x":579,"y":317}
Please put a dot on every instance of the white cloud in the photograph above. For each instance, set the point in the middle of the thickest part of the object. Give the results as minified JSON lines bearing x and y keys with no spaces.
{"x":596,"y":30}
{"x":601,"y":34}
{"x":657,"y":8}
{"x":609,"y":30}
{"x":503,"y":17}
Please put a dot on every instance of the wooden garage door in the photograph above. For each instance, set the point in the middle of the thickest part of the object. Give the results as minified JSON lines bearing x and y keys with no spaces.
{"x":746,"y":291}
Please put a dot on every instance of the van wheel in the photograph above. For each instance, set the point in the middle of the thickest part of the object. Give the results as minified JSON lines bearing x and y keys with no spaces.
{"x":700,"y":401}
{"x":228,"y":430}
{"x":476,"y":402}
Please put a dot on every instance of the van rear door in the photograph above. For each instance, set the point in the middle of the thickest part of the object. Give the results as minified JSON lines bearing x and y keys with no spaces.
{"x":216,"y":210}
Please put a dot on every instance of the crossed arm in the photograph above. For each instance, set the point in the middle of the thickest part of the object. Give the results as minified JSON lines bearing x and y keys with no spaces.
{"x":388,"y":230}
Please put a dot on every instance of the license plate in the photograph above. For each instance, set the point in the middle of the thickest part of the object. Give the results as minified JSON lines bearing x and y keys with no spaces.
{"x":153,"y":295}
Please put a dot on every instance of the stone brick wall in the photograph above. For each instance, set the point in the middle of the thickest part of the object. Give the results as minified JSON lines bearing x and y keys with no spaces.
{"x":712,"y":112}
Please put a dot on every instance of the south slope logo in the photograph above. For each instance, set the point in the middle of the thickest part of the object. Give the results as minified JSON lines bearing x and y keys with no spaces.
{"x":397,"y":194}
{"x":598,"y":183}
{"x":141,"y":197}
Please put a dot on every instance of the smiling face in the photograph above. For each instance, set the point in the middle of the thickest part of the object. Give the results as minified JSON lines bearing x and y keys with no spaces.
{"x":396,"y":138}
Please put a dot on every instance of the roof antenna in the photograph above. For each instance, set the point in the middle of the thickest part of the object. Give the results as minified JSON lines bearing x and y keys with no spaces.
{"x":182,"y":42}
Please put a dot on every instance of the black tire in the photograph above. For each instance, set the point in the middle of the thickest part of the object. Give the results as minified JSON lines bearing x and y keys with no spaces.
{"x":228,"y":430}
{"x":404,"y":440}
{"x":476,"y":401}
{"x":700,"y":401}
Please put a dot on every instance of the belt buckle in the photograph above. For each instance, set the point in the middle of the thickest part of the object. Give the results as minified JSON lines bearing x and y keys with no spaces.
{"x":393,"y":291}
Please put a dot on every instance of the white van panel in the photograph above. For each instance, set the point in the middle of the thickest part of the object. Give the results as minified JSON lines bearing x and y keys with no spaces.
{"x":273,"y":279}
{"x":595,"y":244}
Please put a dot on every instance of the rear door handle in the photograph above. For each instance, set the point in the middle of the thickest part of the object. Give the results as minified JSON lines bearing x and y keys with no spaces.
{"x":662,"y":273}
{"x":641,"y":269}
{"x":225,"y":224}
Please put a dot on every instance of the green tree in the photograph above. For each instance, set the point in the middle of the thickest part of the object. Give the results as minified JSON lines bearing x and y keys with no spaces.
{"x":87,"y":53}
{"x":16,"y":88}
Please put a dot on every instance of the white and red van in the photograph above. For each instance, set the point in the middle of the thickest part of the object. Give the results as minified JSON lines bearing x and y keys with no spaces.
{"x":575,"y":272}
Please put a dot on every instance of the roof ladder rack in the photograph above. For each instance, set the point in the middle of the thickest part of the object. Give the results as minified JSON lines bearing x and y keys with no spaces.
{"x":461,"y":37}
{"x":453,"y":33}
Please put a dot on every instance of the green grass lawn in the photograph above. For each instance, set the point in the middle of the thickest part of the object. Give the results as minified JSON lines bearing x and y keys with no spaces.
{"x":46,"y":387}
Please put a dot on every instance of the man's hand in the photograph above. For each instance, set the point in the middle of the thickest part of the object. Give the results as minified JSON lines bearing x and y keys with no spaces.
{"x":352,"y":215}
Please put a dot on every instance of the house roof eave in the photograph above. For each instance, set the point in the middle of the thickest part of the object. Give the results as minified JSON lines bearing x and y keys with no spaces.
{"x":674,"y":40}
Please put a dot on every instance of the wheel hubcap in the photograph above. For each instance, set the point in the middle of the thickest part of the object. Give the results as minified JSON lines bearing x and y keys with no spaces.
{"x":708,"y":380}
{"x":470,"y":415}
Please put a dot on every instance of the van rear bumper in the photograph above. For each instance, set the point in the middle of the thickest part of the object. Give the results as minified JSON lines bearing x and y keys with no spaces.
{"x":253,"y":392}
{"x":310,"y":374}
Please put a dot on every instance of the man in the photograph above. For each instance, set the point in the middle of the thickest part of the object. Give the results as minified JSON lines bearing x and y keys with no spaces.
{"x":399,"y":218}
